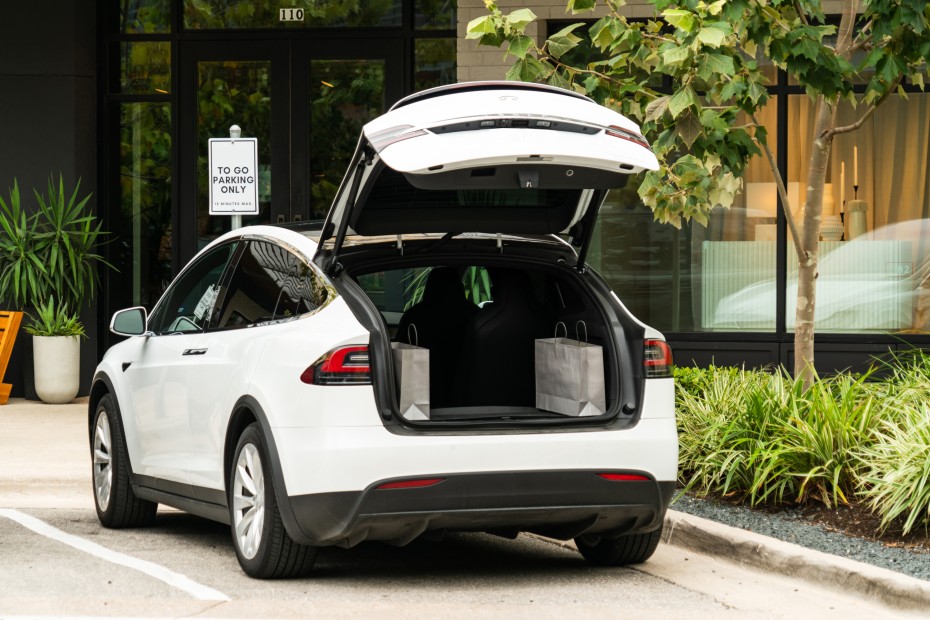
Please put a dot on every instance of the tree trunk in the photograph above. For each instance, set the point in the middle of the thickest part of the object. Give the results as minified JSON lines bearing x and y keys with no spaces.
{"x":810,"y":243}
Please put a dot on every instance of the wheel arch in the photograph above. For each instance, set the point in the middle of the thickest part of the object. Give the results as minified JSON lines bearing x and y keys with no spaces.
{"x":101,"y":386}
{"x":246,"y":411}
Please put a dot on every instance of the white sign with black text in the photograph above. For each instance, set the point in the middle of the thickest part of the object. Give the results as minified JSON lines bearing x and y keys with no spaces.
{"x":233,"y":176}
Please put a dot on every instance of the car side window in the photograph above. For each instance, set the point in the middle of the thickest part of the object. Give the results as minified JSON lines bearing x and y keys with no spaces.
{"x":188,"y":304}
{"x":269,"y":284}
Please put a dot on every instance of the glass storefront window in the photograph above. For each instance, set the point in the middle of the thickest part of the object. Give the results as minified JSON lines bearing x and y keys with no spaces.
{"x":141,"y":247}
{"x":145,"y":68}
{"x":719,"y":277}
{"x":215,"y":14}
{"x":434,"y":63}
{"x":874,"y":270}
{"x":434,"y":14}
{"x":144,"y":16}
{"x":232,"y":92}
{"x":344,"y":95}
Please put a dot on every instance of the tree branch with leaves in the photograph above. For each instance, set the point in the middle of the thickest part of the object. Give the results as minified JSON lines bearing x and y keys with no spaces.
{"x":712,"y":55}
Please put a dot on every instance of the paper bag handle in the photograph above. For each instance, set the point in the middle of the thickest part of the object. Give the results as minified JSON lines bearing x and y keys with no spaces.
{"x":578,"y":332}
{"x":412,"y":336}
{"x":563,"y":327}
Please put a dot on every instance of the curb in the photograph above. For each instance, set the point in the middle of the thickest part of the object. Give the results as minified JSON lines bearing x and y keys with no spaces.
{"x":776,"y":556}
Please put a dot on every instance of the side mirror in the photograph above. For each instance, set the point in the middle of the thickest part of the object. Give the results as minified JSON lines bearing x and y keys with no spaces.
{"x":129,"y":322}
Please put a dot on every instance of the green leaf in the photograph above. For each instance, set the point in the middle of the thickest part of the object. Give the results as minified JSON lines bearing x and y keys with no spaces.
{"x":676,"y":55}
{"x":711,"y":37}
{"x":657,"y":108}
{"x":563,"y":41}
{"x":520,"y":18}
{"x":689,"y":127}
{"x":579,"y":6}
{"x":519,"y":46}
{"x":480,"y":26}
{"x":679,"y":18}
{"x":720,"y":63}
{"x":681,"y":100}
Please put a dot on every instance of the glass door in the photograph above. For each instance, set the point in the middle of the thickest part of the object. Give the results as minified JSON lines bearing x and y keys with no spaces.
{"x":304,"y":99}
{"x":226,"y":84}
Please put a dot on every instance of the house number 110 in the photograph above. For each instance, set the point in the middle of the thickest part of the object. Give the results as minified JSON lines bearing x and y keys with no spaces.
{"x":290,"y":15}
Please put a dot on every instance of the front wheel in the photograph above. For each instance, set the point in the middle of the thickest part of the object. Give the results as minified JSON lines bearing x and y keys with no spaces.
{"x":620,"y":551}
{"x":117,"y":505}
{"x":262,"y":544}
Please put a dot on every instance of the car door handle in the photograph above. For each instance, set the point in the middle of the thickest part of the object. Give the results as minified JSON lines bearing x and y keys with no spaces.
{"x":194,"y":352}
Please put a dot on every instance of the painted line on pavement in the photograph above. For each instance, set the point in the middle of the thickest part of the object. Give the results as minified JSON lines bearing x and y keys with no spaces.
{"x":173,"y":579}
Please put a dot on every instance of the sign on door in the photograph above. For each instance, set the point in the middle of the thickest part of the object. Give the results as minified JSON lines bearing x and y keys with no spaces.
{"x":233,"y":176}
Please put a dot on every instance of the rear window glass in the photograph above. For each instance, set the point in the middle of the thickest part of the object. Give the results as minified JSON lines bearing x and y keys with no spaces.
{"x":393,"y":205}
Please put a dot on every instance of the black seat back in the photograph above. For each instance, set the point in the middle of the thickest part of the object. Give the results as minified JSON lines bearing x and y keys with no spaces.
{"x":498,"y":359}
{"x":440,"y":320}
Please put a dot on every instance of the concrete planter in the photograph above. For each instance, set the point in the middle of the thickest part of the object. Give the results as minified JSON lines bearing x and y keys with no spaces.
{"x":57,"y":367}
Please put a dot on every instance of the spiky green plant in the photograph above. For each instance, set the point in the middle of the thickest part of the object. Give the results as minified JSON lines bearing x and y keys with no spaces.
{"x":54,"y":320}
{"x":896,"y":477}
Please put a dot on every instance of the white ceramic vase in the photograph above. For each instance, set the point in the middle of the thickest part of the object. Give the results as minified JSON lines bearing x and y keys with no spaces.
{"x":57,"y":368}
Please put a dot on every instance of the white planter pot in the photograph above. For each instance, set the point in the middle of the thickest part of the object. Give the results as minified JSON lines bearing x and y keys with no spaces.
{"x":57,"y":367}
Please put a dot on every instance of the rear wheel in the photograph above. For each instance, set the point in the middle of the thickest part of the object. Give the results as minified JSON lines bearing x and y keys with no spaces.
{"x":117,"y":505}
{"x":262,"y":544}
{"x":620,"y":551}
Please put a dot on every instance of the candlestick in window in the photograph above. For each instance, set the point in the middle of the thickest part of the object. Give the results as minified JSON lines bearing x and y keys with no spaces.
{"x":856,"y":172}
{"x":842,"y":186}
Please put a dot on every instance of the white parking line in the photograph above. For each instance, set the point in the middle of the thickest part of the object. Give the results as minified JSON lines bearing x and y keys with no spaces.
{"x":175,"y":580}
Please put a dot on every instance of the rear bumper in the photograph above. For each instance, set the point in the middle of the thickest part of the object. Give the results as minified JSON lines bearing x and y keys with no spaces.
{"x":560,"y":504}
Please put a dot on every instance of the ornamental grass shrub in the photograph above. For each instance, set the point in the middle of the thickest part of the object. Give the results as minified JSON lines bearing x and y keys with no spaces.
{"x":895,"y":477}
{"x":761,"y":437}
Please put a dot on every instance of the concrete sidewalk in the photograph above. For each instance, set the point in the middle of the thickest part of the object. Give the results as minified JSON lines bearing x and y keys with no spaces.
{"x":45,"y":463}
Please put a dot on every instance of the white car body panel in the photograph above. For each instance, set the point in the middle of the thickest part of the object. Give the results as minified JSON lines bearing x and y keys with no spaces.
{"x":353,"y":458}
{"x":467,"y":149}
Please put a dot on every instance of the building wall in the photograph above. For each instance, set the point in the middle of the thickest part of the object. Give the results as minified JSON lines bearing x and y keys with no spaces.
{"x":48,"y":115}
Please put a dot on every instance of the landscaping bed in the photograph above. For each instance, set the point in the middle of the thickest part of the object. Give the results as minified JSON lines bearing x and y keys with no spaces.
{"x":842,"y":466}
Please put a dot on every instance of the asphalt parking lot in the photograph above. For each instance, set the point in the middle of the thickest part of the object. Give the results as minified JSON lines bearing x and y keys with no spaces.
{"x":58,"y":561}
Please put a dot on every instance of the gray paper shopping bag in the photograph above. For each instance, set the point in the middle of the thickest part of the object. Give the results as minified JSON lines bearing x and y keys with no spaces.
{"x":570,"y":375}
{"x":411,"y":373}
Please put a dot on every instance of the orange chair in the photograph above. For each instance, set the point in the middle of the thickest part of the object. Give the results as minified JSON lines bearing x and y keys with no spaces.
{"x":9,"y":327}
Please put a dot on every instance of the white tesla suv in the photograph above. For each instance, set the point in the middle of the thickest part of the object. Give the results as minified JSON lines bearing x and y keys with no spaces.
{"x":262,"y":392}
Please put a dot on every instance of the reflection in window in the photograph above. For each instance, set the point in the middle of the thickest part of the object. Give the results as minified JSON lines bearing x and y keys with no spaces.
{"x":136,"y":16}
{"x":145,"y":67}
{"x":189,"y":304}
{"x":434,"y":14}
{"x":270,"y":284}
{"x":142,"y":235}
{"x":434,"y":63}
{"x":232,"y":92}
{"x":874,"y":271}
{"x":344,"y":95}
{"x":205,"y":14}
{"x":686,"y":280}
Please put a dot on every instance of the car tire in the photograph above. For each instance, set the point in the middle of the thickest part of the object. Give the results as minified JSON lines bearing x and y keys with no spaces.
{"x":116,"y":503}
{"x":620,"y":551}
{"x":263,"y":547}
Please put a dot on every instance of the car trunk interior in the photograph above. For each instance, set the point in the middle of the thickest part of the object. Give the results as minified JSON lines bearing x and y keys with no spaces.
{"x":480,"y":323}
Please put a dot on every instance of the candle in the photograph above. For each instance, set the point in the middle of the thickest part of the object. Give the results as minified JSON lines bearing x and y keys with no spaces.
{"x":842,"y":185}
{"x":855,"y":166}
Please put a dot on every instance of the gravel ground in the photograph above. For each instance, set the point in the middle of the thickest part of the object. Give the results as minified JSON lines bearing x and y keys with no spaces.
{"x":790,"y":528}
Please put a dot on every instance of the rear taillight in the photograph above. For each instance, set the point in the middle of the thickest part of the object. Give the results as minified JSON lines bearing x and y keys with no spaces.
{"x":657,"y":359}
{"x":342,"y":366}
{"x":624,"y":477}
{"x":626,"y":134}
{"x":417,"y":483}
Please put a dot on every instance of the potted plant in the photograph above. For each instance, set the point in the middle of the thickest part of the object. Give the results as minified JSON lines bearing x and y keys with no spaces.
{"x":48,"y":257}
{"x":56,"y":332}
